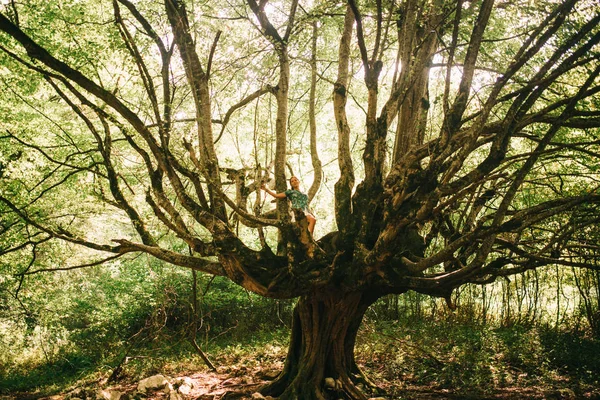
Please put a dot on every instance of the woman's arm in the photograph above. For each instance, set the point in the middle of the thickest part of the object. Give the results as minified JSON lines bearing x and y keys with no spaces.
{"x":272,"y":193}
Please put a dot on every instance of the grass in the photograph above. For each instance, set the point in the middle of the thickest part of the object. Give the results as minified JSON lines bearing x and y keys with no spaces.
{"x":49,"y":377}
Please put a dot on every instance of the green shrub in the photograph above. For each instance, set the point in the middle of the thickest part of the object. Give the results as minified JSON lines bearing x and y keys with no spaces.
{"x":572,"y":354}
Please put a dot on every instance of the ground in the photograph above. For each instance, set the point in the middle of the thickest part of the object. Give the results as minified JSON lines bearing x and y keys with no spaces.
{"x":247,"y":375}
{"x":419,"y":360}
{"x":217,"y":385}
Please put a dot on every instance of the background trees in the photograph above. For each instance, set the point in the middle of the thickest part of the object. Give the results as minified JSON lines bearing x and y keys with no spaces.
{"x":466,"y":149}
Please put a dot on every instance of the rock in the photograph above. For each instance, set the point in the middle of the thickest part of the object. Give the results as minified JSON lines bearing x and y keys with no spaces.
{"x":256,"y":396}
{"x":184,"y":385}
{"x":134,"y":395}
{"x":184,"y":380}
{"x":115,"y":393}
{"x":152,"y":383}
{"x":168,"y":388}
{"x":184,"y":389}
{"x":108,"y":394}
{"x":330,"y":383}
{"x":175,"y":396}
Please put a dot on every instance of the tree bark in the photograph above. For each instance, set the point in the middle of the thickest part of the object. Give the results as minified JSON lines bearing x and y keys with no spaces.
{"x":324,"y":329}
{"x":198,"y":80}
{"x":314,"y":155}
{"x":345,"y":184}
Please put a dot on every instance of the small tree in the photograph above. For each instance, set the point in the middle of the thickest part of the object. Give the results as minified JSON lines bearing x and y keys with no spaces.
{"x":479,"y":159}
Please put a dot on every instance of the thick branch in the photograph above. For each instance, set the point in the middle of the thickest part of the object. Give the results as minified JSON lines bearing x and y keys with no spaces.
{"x":196,"y":263}
{"x":314,"y":155}
{"x":345,"y":184}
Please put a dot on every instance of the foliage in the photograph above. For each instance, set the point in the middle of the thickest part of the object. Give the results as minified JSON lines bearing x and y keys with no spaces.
{"x":91,"y":320}
{"x":434,"y":354}
{"x":471,"y":360}
{"x":572,"y":355}
{"x":461,"y":145}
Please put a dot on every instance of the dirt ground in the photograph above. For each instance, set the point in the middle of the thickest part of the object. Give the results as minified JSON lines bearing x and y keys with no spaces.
{"x":241,"y":378}
{"x":240,"y":382}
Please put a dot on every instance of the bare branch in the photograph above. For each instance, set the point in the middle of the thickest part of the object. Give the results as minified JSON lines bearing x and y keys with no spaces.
{"x":199,"y":264}
{"x":245,"y":101}
{"x":86,"y":265}
{"x":58,"y":232}
{"x":360,"y":36}
{"x":212,"y":52}
{"x":345,"y":184}
{"x":312,"y":119}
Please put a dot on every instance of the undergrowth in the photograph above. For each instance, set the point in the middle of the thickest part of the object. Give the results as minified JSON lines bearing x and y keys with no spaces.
{"x":472,"y":360}
{"x":469,"y":360}
{"x":95,"y":341}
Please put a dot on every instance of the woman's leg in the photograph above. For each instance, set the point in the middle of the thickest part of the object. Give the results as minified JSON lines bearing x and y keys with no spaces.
{"x":311,"y":223}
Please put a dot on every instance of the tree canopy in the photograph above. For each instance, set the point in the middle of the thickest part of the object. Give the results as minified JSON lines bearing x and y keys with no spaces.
{"x":460,"y":141}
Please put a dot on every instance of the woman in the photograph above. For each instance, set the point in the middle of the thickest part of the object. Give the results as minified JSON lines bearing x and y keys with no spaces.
{"x":299,"y":200}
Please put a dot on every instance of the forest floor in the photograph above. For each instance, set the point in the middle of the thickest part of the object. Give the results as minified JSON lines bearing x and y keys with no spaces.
{"x":224,"y":385}
{"x":228,"y":381}
{"x":420,"y":361}
{"x":239,"y":377}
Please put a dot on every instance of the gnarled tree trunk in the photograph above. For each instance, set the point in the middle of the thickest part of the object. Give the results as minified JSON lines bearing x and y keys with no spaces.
{"x":324,"y":329}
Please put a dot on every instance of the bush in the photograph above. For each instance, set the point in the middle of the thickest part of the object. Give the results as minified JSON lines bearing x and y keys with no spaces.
{"x":572,"y":354}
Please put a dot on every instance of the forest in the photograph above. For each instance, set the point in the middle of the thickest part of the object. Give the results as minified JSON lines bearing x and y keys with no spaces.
{"x":163,"y":163}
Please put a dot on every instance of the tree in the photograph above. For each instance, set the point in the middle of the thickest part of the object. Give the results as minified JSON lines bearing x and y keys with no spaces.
{"x":492,"y":127}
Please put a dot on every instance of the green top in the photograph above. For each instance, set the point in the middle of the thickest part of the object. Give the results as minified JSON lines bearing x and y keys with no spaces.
{"x":298,"y":199}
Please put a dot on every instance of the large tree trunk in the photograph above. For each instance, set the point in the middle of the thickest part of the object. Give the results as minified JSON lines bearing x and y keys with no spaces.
{"x":324,"y":329}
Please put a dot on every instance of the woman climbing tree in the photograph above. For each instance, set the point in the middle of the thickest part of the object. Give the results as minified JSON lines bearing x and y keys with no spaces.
{"x":299,"y":200}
